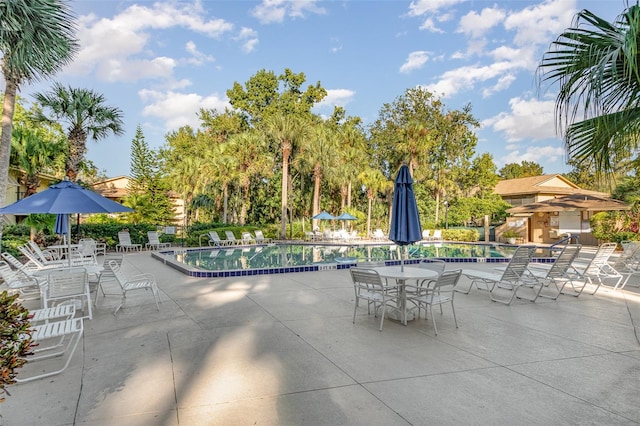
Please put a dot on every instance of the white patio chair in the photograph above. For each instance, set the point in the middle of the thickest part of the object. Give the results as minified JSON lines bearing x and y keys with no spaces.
{"x":426,"y":234}
{"x":154,"y":241}
{"x":54,"y":338}
{"x":86,"y":251}
{"x":442,"y":291}
{"x":107,"y":274}
{"x":370,"y":287}
{"x":132,"y":283}
{"x":125,"y":244}
{"x":437,"y":235}
{"x":68,"y":286}
{"x":558,"y":273}
{"x":512,"y":278}
{"x":214,"y":239}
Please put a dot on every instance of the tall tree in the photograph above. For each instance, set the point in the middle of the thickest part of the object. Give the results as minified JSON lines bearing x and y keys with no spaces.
{"x":595,"y":63}
{"x":37,"y":39}
{"x":524,"y":169}
{"x":287,"y":131}
{"x":85,"y":114}
{"x":143,"y":164}
{"x":317,"y":155}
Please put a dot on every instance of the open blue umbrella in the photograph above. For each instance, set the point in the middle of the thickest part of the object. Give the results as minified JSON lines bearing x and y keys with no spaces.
{"x":405,"y":220}
{"x":323,"y":216}
{"x":62,"y":199}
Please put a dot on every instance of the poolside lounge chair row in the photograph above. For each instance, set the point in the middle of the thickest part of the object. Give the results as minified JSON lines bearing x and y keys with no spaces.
{"x":569,"y":271}
{"x":246,"y":239}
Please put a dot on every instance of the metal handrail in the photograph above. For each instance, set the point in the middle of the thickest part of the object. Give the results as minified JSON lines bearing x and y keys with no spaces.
{"x":566,"y":240}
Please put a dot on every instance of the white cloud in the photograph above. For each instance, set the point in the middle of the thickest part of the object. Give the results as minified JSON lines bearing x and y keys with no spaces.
{"x":336,"y":97}
{"x":452,"y":82}
{"x":476,"y":25}
{"x":538,"y":154}
{"x":117,"y":49}
{"x":539,"y":24}
{"x":429,"y":25}
{"x":529,"y":119}
{"x":421,"y":7}
{"x":415,"y":61}
{"x":249,"y":39}
{"x":197,"y":57}
{"x":274,"y":11}
{"x":179,"y":109}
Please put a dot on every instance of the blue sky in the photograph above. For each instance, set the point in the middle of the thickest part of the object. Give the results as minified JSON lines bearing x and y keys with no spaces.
{"x":162,"y":61}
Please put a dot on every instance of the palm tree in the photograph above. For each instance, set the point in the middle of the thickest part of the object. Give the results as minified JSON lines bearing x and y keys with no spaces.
{"x":374,"y":182}
{"x":287,"y":131}
{"x":596,"y":65}
{"x":85,"y":114}
{"x":36,"y":41}
{"x":33,"y":152}
{"x":249,"y":150}
{"x":317,"y":156}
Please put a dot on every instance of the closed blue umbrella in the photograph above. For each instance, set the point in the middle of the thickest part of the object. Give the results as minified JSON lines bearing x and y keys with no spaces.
{"x":405,"y":220}
{"x":62,"y":224}
{"x":62,"y":199}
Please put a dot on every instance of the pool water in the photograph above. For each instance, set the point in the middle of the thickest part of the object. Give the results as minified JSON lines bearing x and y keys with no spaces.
{"x":282,"y":258}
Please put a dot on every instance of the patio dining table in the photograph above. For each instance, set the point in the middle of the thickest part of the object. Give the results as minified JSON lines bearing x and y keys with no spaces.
{"x":401,"y":274}
{"x":62,"y":249}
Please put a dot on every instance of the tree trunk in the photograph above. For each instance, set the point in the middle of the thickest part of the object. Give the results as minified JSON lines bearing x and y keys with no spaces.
{"x":5,"y":141}
{"x":349,"y":195}
{"x":225,"y":202}
{"x":286,"y":151}
{"x":77,"y":150}
{"x":317,"y":176}
{"x":369,"y":218}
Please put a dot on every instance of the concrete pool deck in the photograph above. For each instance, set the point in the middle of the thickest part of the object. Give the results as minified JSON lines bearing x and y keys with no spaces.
{"x":282,"y":350}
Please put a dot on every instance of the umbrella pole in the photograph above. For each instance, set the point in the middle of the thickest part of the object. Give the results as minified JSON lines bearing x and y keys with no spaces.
{"x":69,"y":240}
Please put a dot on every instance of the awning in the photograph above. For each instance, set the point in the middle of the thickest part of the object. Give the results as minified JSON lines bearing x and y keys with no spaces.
{"x":574,"y":202}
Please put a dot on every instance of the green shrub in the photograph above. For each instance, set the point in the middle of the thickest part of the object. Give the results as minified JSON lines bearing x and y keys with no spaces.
{"x":467,"y":235}
{"x":15,"y":339}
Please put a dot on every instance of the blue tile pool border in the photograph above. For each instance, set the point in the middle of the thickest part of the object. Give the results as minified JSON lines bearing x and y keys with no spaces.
{"x":167,"y":257}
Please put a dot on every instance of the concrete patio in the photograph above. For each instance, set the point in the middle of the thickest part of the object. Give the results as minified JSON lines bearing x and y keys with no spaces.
{"x":282,"y":350}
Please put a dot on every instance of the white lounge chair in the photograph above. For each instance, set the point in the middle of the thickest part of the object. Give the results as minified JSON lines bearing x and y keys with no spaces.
{"x":595,"y":272}
{"x":558,"y":273}
{"x":231,"y":238}
{"x":378,"y":235}
{"x":437,"y":235}
{"x":18,"y":282}
{"x":513,"y":278}
{"x":154,"y":241}
{"x":125,"y":244}
{"x":247,"y":238}
{"x":260,"y":238}
{"x":54,"y":338}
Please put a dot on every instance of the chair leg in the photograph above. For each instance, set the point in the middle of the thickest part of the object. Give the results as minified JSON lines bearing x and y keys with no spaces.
{"x":433,"y":318}
{"x":453,"y":309}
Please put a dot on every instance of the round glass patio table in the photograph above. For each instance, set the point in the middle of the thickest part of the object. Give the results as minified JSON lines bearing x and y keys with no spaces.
{"x":401,"y":274}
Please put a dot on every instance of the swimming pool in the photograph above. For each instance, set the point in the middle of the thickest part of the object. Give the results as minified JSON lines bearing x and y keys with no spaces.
{"x":296,"y":257}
